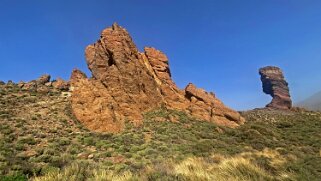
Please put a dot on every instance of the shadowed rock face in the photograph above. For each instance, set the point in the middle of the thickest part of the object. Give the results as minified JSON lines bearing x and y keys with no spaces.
{"x":126,"y":83}
{"x":274,"y":84}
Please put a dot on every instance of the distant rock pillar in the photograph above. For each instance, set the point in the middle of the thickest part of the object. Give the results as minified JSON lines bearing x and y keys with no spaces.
{"x":274,"y":84}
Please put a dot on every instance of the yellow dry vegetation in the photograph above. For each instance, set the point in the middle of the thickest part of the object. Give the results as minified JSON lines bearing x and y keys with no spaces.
{"x":216,"y":167}
{"x":237,"y":168}
{"x":77,"y":171}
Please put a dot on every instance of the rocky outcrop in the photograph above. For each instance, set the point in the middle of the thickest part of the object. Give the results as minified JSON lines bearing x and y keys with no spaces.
{"x":60,"y":84}
{"x":38,"y":85}
{"x":274,"y":84}
{"x":43,"y":84}
{"x":125,"y":83}
{"x":42,"y":80}
{"x":206,"y":106}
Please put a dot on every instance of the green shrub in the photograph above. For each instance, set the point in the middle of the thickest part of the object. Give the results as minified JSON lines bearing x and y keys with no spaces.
{"x":89,"y":141}
{"x":17,"y":177}
{"x":27,"y":140}
{"x":64,"y":141}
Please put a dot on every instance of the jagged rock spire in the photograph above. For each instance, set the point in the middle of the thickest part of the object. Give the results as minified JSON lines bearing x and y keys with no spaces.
{"x":126,"y":83}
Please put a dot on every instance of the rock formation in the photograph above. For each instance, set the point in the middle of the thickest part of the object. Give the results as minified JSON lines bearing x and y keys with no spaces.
{"x":60,"y":84}
{"x":42,"y":80}
{"x":126,"y":83}
{"x":274,"y":84}
{"x":36,"y":85}
{"x":43,"y":84}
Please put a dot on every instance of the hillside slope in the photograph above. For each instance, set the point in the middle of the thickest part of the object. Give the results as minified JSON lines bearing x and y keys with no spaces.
{"x":41,"y":140}
{"x":312,"y":103}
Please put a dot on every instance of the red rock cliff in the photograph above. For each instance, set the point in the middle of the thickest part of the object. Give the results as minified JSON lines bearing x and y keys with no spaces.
{"x":126,"y":83}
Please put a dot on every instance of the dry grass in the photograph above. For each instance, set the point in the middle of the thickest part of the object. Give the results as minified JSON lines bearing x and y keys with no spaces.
{"x":81,"y":171}
{"x":228,"y":169}
{"x":217,"y":167}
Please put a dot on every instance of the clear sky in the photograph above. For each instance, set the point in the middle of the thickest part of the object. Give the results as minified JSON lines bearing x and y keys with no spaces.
{"x":217,"y":44}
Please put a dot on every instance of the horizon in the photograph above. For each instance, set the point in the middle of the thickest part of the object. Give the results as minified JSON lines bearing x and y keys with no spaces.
{"x":218,"y":46}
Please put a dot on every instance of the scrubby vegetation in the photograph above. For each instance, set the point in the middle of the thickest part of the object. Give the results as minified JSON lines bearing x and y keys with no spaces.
{"x":40,"y":140}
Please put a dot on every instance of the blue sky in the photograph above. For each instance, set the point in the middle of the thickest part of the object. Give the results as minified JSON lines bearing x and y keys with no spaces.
{"x":218,"y":45}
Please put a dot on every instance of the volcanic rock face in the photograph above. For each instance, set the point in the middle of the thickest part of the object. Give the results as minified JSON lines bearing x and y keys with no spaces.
{"x":126,"y":83}
{"x":274,"y":84}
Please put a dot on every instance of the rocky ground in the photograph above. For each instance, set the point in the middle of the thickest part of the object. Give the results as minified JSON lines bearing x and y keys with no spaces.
{"x":41,"y":140}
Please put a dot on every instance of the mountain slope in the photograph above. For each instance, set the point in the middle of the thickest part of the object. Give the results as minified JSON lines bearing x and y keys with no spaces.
{"x":41,"y":140}
{"x":312,"y":103}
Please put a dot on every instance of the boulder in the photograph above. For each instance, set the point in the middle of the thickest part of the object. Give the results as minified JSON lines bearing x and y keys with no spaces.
{"x":192,"y":91}
{"x":40,"y":85}
{"x":43,"y":89}
{"x":30,"y":86}
{"x":60,"y":84}
{"x":21,"y":84}
{"x":42,"y":80}
{"x":206,"y":106}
